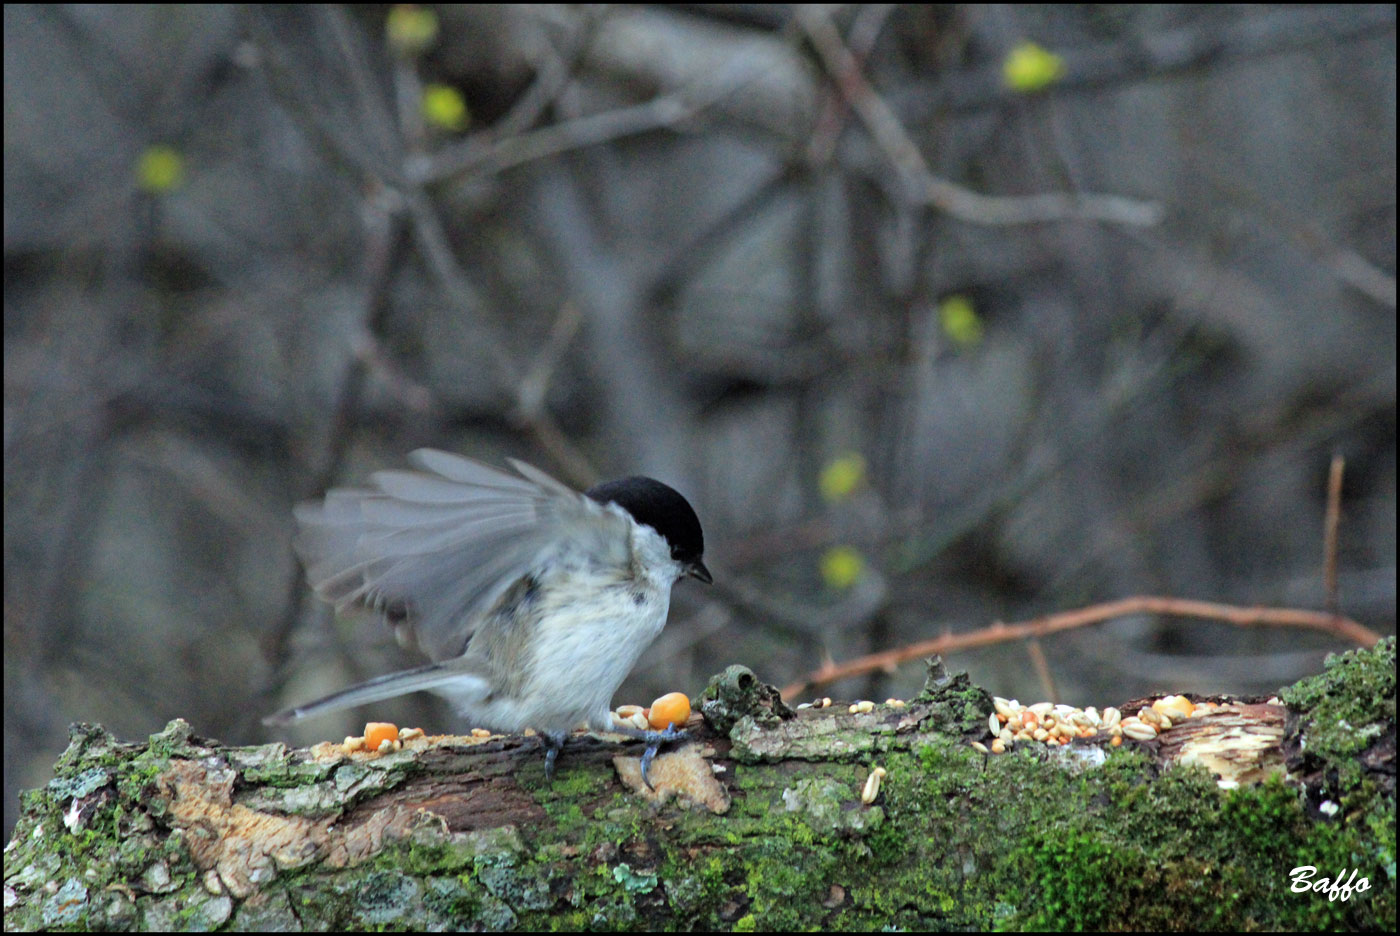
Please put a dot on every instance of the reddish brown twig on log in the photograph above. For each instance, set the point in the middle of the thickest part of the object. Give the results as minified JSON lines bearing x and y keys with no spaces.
{"x":1343,"y":628}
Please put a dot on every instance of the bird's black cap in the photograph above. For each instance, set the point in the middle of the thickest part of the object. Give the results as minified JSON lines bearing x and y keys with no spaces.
{"x":665,"y":510}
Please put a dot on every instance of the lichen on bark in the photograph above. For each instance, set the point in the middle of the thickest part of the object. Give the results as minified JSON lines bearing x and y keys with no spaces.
{"x":180,"y":832}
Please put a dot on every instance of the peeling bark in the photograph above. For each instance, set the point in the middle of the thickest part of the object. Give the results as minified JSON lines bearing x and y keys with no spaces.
{"x":759,"y":822}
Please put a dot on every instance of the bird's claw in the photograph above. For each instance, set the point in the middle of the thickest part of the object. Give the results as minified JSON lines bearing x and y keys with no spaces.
{"x":654,"y":741}
{"x":553,"y":744}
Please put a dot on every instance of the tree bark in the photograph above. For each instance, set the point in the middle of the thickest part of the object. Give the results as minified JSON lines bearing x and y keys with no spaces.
{"x":768,"y":819}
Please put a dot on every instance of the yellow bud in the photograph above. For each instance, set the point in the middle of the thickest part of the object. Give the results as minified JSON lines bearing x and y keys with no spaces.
{"x":444,"y":106}
{"x":160,"y":169}
{"x":411,"y":29}
{"x":841,"y":476}
{"x":1028,"y":67}
{"x":841,"y":567}
{"x":960,"y":321}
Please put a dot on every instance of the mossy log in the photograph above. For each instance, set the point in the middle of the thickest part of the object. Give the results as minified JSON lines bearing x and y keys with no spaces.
{"x":769,"y":820}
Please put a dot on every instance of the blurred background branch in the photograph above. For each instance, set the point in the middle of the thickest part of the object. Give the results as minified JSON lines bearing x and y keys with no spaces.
{"x":940,"y":315}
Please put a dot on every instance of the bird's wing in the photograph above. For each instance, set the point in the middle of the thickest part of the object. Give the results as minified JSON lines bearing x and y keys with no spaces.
{"x":436,"y":548}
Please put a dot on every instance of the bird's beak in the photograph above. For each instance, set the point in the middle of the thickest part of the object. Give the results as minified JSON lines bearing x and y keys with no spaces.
{"x":697,"y":570}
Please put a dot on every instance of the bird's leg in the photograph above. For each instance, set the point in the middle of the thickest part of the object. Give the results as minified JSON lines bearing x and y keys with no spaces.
{"x":553,"y":744}
{"x":654,"y":740}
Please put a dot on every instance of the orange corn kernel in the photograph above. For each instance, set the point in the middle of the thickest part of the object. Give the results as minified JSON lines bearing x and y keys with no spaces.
{"x":672,"y":708}
{"x":377,"y":732}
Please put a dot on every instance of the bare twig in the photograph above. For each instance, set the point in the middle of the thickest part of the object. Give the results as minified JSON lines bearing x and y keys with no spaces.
{"x":1344,"y":263}
{"x":864,"y":31}
{"x":1156,"y":55}
{"x":431,"y":236}
{"x":532,"y":390}
{"x":1340,"y":627}
{"x":925,"y":187}
{"x":553,"y":69}
{"x":1353,"y":269}
{"x":385,"y":239}
{"x":492,"y":155}
{"x":534,"y":386}
{"x":1042,"y":669}
{"x":1329,"y":532}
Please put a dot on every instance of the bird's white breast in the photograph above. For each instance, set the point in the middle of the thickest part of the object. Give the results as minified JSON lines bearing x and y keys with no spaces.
{"x":590,"y":625}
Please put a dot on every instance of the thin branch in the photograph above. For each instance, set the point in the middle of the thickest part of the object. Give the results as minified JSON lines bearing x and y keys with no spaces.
{"x":386,"y":236}
{"x":925,"y":187}
{"x":1158,"y":55}
{"x":534,"y":386}
{"x":437,"y":250}
{"x":1329,"y":532}
{"x":495,"y":155}
{"x":532,"y":390}
{"x":1344,"y":263}
{"x":1042,"y":669}
{"x":866,"y":29}
{"x":554,"y":68}
{"x":1340,"y":627}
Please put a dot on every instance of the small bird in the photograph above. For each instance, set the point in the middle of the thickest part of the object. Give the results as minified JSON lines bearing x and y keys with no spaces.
{"x":533,"y":601}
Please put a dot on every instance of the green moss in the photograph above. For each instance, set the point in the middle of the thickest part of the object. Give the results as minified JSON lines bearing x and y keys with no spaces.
{"x":888,"y":844}
{"x":176,"y":739}
{"x":1357,"y":686}
{"x":1178,"y":852}
{"x":777,"y":889}
{"x":958,"y":706}
{"x":429,"y":849}
{"x":1084,"y":882}
{"x":1033,"y":838}
{"x":88,"y":746}
{"x":573,"y":784}
{"x":736,"y":694}
{"x":1350,"y":707}
{"x":273,"y":766}
{"x":452,"y":898}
